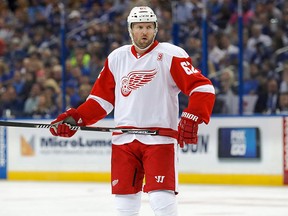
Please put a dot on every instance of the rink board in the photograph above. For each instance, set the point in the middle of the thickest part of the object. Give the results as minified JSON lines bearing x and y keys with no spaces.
{"x":231,"y":150}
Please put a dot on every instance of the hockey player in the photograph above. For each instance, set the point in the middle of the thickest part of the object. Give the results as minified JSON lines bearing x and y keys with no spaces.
{"x":142,"y":82}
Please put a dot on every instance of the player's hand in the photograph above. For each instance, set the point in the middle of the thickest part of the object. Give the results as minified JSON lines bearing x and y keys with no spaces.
{"x":188,"y":129}
{"x":61,"y":125}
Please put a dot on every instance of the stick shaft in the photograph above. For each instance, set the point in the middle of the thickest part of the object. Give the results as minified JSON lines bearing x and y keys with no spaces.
{"x":99,"y":129}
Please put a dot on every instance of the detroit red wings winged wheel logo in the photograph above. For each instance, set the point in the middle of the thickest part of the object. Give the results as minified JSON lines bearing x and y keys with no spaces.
{"x":135,"y":80}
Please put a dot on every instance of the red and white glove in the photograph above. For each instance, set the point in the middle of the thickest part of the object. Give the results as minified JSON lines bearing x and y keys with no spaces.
{"x":61,"y":125}
{"x":188,"y":129}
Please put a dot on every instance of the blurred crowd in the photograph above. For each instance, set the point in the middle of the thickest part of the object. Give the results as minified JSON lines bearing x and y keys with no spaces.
{"x":31,"y":63}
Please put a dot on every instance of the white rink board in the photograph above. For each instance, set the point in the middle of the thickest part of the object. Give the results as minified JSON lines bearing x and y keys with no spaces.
{"x":271,"y":138}
{"x":85,"y":151}
{"x":82,"y":152}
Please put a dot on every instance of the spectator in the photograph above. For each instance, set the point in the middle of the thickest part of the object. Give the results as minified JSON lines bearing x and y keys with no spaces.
{"x":227,"y":93}
{"x":258,"y":38}
{"x":6,"y":74}
{"x":284,"y":80}
{"x":215,"y":54}
{"x":56,"y":73}
{"x":84,"y":91}
{"x":75,"y":22}
{"x":2,"y":47}
{"x":29,"y":41}
{"x":273,"y":12}
{"x":226,"y":9}
{"x":248,"y":14}
{"x":31,"y":103}
{"x":261,"y":53}
{"x":72,"y":93}
{"x":81,"y":59}
{"x":251,"y":82}
{"x":43,"y":109}
{"x":11,"y":105}
{"x":283,"y":103}
{"x":59,"y":105}
{"x":227,"y":47}
{"x":268,"y":102}
{"x":18,"y":82}
{"x":29,"y":80}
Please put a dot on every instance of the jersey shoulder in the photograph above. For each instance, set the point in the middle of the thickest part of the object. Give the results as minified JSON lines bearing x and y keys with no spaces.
{"x":124,"y":48}
{"x":172,"y":50}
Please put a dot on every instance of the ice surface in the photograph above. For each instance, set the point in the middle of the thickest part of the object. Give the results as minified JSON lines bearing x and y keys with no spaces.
{"x":21,"y":198}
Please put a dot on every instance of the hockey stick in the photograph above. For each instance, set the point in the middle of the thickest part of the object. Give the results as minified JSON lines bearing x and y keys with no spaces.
{"x":83,"y":128}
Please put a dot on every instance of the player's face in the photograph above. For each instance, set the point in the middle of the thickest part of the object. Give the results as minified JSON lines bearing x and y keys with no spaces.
{"x":143,"y":34}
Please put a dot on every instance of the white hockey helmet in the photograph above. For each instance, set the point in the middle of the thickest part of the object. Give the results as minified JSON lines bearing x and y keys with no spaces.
{"x":142,"y":14}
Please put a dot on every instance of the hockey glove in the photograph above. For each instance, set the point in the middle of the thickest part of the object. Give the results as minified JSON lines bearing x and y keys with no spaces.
{"x":188,"y":129}
{"x":61,"y":125}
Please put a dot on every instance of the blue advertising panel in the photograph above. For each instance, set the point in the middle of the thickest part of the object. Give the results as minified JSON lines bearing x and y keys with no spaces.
{"x":3,"y":153}
{"x":239,"y":143}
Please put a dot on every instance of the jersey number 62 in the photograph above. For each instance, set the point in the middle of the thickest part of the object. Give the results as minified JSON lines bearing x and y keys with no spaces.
{"x":186,"y":66}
